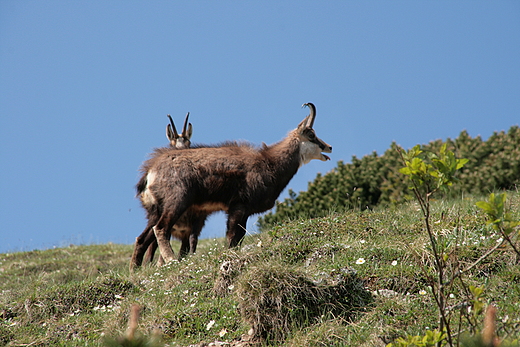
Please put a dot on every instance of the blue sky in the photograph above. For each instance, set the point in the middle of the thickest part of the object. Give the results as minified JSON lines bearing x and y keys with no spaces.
{"x":85,"y":88}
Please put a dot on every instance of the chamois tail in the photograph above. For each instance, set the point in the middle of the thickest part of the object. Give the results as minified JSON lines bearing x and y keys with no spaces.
{"x":141,"y":185}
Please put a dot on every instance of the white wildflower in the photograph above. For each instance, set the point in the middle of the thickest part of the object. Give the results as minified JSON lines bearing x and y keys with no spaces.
{"x":210,"y":324}
{"x":360,"y":261}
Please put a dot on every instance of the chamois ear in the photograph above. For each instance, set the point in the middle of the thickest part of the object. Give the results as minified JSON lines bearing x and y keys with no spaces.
{"x":189,"y":132}
{"x":302,"y":124}
{"x":169,"y":133}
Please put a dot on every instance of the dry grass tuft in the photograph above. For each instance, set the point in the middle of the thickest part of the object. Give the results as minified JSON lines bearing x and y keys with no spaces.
{"x":228,"y":271}
{"x":275,"y":300}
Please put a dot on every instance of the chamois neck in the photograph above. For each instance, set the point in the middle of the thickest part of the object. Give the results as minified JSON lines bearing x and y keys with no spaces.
{"x":285,"y":155}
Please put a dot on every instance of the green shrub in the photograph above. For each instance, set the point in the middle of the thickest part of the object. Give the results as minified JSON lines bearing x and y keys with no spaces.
{"x":375,"y":179}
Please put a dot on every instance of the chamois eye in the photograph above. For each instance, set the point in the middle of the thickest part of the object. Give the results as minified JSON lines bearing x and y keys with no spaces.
{"x":311,"y":135}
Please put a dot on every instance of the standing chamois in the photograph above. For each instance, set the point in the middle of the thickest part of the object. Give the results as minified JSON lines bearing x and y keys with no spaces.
{"x":188,"y":227}
{"x":241,"y":180}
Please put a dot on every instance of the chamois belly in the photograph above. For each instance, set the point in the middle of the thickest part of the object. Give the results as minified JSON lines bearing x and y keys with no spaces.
{"x":181,"y":231}
{"x":210,"y":207}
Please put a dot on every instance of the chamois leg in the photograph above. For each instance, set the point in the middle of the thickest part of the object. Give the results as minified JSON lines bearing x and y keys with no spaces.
{"x":185,"y":246}
{"x":236,"y":225}
{"x":163,"y":240}
{"x":163,"y":229}
{"x":194,"y":239}
{"x":196,"y":227}
{"x":150,"y":251}
{"x":141,"y":244}
{"x":189,"y":241}
{"x":185,"y":249}
{"x":160,"y":261}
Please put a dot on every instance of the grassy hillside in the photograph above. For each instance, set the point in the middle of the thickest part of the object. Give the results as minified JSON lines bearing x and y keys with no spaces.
{"x":348,"y":279}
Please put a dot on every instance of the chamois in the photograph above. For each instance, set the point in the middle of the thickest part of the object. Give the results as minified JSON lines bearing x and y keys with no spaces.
{"x":189,"y":226}
{"x":241,"y":180}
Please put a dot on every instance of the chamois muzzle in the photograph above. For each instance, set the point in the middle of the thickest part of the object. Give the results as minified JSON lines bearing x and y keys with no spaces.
{"x":325,"y":148}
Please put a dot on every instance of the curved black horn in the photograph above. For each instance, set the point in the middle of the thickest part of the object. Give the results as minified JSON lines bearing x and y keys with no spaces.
{"x":185,"y":124}
{"x":312,"y":114}
{"x":173,"y":127}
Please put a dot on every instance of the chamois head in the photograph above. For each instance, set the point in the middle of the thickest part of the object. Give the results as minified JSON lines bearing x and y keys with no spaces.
{"x":311,"y":147}
{"x":179,"y":141}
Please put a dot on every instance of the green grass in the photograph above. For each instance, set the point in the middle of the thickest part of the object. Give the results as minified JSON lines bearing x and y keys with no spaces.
{"x":348,"y":279}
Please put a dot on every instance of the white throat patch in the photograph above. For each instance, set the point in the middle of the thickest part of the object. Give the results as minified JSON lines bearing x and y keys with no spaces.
{"x":309,"y":151}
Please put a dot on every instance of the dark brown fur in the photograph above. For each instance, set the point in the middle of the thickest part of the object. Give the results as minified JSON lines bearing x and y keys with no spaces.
{"x":241,"y":180}
{"x":188,"y":227}
{"x":183,"y":229}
